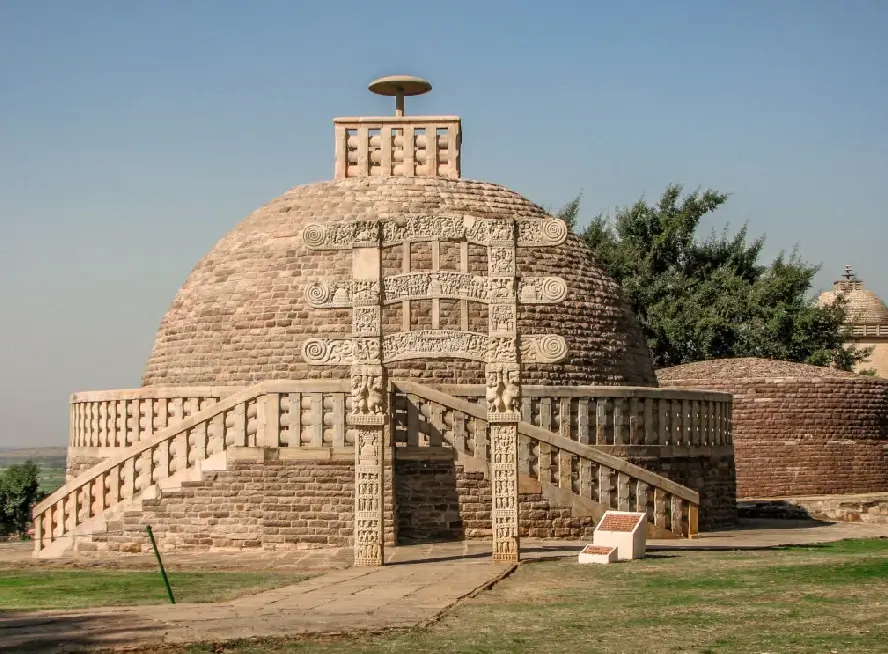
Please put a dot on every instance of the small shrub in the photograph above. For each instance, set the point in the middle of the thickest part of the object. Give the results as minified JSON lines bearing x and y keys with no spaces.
{"x":19,"y":491}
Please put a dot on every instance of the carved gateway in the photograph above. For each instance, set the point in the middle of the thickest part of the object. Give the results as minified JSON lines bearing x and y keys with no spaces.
{"x":502,"y":349}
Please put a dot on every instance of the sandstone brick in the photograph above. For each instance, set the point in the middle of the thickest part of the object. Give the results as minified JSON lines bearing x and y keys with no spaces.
{"x":798,"y":430}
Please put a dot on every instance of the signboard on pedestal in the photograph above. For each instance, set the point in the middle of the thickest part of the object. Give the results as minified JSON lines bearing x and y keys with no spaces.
{"x":625,"y":531}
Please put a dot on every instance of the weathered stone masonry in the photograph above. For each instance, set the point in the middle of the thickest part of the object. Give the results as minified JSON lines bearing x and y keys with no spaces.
{"x":270,"y":505}
{"x":798,"y":433}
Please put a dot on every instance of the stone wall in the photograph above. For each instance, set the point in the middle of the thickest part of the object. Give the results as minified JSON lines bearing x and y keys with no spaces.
{"x":272,"y":505}
{"x":868,"y":507}
{"x":805,"y":436}
{"x":712,"y":476}
{"x":440,"y":501}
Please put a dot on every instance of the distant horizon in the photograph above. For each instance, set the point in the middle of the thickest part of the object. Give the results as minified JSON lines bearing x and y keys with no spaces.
{"x":135,"y":135}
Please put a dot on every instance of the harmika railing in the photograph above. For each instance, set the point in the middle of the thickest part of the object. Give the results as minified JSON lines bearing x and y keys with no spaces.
{"x":426,"y":417}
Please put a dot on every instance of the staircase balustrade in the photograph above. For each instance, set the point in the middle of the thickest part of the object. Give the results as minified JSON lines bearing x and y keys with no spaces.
{"x":437,"y":419}
{"x":166,"y":433}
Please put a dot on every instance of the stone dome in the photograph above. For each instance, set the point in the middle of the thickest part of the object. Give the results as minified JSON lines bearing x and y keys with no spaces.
{"x":746,"y":368}
{"x":242,"y":317}
{"x":863,"y":307}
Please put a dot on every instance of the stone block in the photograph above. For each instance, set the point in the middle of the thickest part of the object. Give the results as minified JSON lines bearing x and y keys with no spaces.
{"x":625,"y":531}
{"x":598,"y":554}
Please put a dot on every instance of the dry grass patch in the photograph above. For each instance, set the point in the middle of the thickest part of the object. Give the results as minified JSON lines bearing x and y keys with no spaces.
{"x":817,"y":599}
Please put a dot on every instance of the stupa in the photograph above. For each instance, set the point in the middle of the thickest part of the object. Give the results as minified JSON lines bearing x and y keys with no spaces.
{"x":396,"y":355}
{"x":866,"y":319}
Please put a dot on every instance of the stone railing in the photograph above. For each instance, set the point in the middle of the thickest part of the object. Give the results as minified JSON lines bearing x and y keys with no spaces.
{"x":878,"y":331}
{"x":259,"y":416}
{"x":122,"y":418}
{"x":620,"y":416}
{"x":437,"y":419}
{"x":401,"y":146}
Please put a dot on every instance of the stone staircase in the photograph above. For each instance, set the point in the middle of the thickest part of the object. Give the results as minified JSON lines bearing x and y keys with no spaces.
{"x":562,"y":471}
{"x":182,"y":452}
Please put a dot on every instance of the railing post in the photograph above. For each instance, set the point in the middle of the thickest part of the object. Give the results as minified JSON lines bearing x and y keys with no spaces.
{"x":692,"y":520}
{"x":38,"y":532}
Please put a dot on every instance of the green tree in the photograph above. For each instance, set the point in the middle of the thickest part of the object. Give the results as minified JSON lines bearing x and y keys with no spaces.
{"x":712,"y":298}
{"x":19,"y":491}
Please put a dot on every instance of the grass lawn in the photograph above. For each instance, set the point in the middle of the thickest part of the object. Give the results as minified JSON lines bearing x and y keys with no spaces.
{"x":33,"y":588}
{"x":817,"y":599}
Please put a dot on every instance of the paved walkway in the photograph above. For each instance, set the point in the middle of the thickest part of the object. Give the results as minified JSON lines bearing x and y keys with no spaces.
{"x":421,"y":582}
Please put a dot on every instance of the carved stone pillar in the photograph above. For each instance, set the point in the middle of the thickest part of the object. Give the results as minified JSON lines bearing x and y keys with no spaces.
{"x":503,"y":392}
{"x":367,"y":417}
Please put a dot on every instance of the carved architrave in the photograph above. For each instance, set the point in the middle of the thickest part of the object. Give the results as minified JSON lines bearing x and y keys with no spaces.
{"x":531,"y":232}
{"x":443,"y":284}
{"x":328,"y":351}
{"x":434,"y":285}
{"x":432,"y":343}
{"x":424,"y":344}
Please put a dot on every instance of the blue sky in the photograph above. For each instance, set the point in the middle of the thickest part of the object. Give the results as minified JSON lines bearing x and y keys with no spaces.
{"x":134,"y":135}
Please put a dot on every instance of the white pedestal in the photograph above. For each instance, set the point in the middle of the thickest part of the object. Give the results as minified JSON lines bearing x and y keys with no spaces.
{"x":598,"y":554}
{"x":624,"y":531}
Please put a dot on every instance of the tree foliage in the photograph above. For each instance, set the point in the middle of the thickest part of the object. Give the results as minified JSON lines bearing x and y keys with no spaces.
{"x":712,"y":298}
{"x":19,"y":491}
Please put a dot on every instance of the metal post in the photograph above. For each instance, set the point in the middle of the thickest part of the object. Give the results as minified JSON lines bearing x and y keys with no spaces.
{"x":160,"y":563}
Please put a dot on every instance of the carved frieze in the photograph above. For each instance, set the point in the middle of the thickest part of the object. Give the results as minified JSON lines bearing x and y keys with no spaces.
{"x":543,"y":348}
{"x":367,"y":396}
{"x":503,"y":393}
{"x":433,"y":285}
{"x":423,"y":344}
{"x":504,"y":440}
{"x":501,"y":261}
{"x":531,"y":232}
{"x":366,"y":321}
{"x":502,"y":319}
{"x":333,"y":294}
{"x":541,"y":290}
